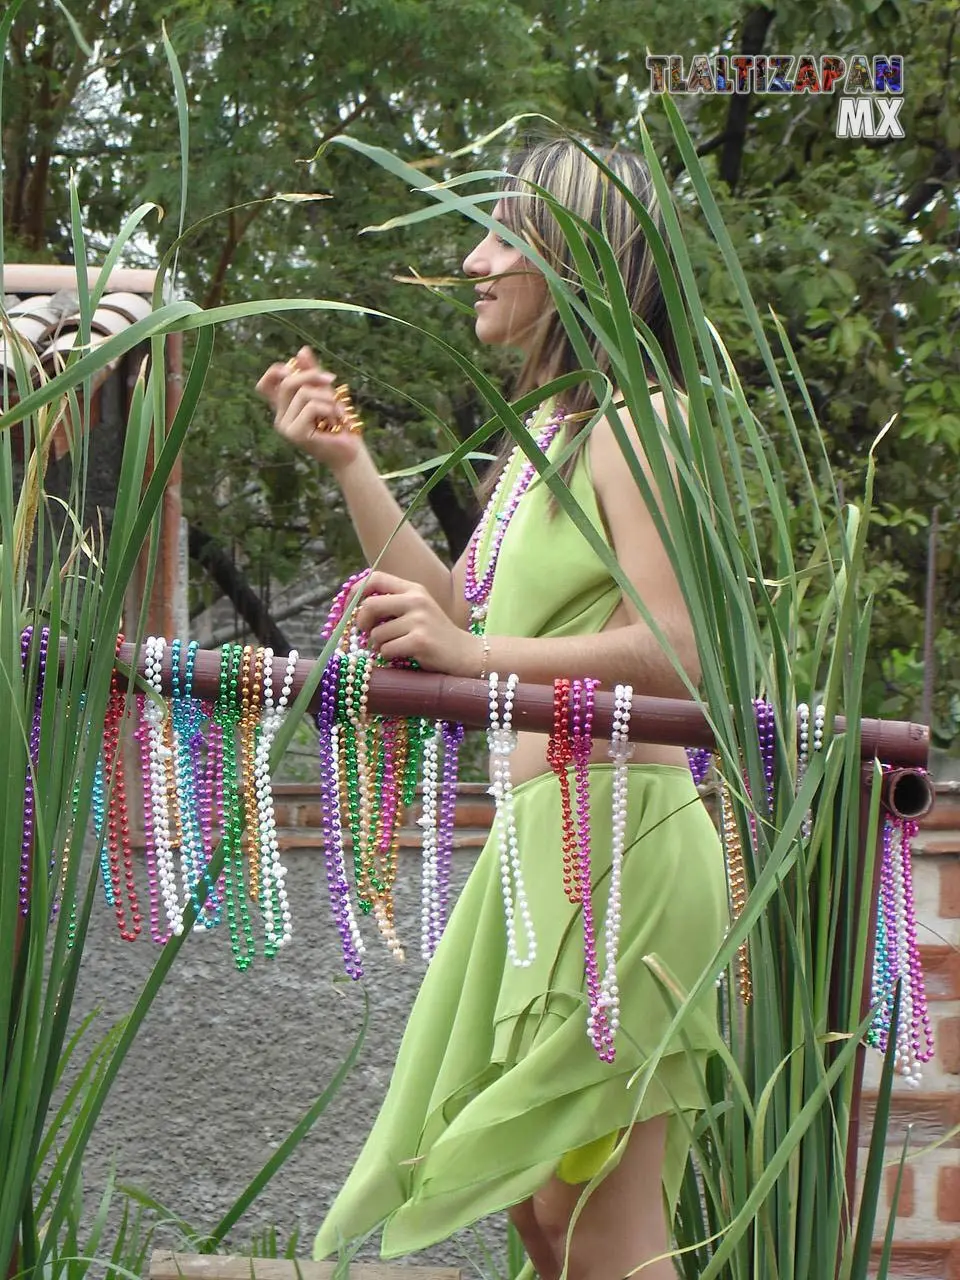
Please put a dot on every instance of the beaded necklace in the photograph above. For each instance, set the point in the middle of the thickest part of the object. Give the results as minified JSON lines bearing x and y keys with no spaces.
{"x":247,"y":731}
{"x":582,"y":705}
{"x":620,"y":751}
{"x":278,"y":928}
{"x":155,"y":779}
{"x":438,"y":812}
{"x":182,"y":717}
{"x":501,"y":742}
{"x":26,"y":844}
{"x":897,"y":958}
{"x":227,"y":715}
{"x":560,"y":756}
{"x":118,"y":841}
{"x":428,"y":852}
{"x":331,"y":808}
{"x":495,"y":521}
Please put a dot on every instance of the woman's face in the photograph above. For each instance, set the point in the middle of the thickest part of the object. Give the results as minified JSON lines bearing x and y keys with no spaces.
{"x":509,"y":305}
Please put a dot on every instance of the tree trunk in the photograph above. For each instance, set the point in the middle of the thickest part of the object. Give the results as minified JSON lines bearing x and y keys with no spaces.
{"x":210,"y":555}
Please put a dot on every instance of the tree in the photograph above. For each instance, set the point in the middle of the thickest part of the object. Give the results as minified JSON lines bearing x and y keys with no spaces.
{"x":851,"y":242}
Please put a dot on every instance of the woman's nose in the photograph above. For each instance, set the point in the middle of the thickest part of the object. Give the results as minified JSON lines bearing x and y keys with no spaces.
{"x":475,"y":264}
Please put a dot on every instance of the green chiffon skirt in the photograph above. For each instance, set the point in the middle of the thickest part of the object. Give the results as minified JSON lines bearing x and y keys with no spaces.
{"x":496,"y":1086}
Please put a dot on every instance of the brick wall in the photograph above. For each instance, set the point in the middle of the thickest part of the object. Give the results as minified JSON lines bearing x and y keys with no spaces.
{"x":927,"y":1228}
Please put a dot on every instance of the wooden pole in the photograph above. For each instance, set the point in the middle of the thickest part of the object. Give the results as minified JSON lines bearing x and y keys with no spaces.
{"x":664,"y":721}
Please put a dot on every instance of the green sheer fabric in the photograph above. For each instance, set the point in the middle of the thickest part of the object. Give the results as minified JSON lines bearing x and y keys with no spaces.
{"x":496,"y":1086}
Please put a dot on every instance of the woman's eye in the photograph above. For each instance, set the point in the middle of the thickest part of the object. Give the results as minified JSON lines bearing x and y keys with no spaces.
{"x":504,"y":243}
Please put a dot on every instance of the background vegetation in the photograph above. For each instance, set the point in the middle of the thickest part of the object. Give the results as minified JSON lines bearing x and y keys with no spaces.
{"x":854,"y":244}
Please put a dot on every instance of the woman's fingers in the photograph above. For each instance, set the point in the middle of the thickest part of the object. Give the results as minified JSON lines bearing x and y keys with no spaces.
{"x":269,"y":384}
{"x":378,"y":609}
{"x":281,"y":381}
{"x":309,"y":382}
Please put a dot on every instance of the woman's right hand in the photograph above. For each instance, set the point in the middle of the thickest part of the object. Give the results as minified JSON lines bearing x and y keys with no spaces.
{"x":303,"y":403}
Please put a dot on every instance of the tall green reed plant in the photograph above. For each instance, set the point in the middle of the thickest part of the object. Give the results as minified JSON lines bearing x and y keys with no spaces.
{"x":58,"y":571}
{"x":772,"y":1141}
{"x":765,"y":1198}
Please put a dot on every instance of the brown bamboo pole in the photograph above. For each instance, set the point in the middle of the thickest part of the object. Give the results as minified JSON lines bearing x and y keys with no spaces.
{"x":664,"y":721}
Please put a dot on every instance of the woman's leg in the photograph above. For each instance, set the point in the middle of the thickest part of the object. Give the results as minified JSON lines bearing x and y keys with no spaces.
{"x":622,"y":1225}
{"x":535,"y":1242}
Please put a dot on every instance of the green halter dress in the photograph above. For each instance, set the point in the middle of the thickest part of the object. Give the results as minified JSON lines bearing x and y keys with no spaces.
{"x":496,"y":1086}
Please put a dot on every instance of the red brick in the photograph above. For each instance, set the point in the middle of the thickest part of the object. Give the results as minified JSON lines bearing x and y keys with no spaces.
{"x":475,"y":812}
{"x":945,"y":814}
{"x":950,"y":889}
{"x":921,"y":1261}
{"x":296,"y":790}
{"x":941,"y":972}
{"x":928,"y":1115}
{"x":948,"y":1193}
{"x":939,"y":846}
{"x":948,"y":1045}
{"x":285,"y":813}
{"x":310,"y":815}
{"x":906,"y":1203}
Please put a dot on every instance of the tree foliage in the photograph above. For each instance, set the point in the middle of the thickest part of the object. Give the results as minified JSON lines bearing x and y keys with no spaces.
{"x":852,"y":243}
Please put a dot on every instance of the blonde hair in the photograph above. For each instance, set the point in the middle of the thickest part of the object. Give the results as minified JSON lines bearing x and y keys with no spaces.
{"x":577,"y":183}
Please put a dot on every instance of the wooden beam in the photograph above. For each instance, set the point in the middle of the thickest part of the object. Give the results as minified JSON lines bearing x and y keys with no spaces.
{"x":29,"y":277}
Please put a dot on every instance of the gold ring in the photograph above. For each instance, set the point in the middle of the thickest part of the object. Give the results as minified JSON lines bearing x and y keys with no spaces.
{"x":293,"y":364}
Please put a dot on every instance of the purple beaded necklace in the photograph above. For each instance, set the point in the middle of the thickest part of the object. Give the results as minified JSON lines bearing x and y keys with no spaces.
{"x":897,"y":957}
{"x":477,"y":586}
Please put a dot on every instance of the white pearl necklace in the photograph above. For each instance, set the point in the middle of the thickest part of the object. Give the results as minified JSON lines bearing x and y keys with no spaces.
{"x":819,"y":720}
{"x":272,"y":871}
{"x":621,"y":750}
{"x":429,"y":887}
{"x":501,"y":741}
{"x":904,"y":1060}
{"x":157,"y":754}
{"x":803,"y":760}
{"x":341,"y":871}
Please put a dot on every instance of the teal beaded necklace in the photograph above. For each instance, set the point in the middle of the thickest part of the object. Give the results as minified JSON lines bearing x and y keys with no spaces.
{"x":227,"y":715}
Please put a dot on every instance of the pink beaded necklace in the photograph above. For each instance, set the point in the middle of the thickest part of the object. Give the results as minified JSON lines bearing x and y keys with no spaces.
{"x":498,"y":513}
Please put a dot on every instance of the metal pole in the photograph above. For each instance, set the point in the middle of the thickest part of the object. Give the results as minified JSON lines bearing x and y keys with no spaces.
{"x":929,"y":620}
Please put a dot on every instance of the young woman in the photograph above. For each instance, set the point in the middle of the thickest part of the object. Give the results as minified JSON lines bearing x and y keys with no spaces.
{"x":498,"y":1099}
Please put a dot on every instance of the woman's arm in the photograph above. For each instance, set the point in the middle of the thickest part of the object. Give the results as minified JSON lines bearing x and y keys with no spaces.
{"x":301,"y":395}
{"x":376,"y":515}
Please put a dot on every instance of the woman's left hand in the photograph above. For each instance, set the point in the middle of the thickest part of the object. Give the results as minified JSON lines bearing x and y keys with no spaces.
{"x":403,"y":620}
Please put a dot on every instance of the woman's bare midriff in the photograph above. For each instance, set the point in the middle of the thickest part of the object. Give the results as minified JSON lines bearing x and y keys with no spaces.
{"x":529,"y":759}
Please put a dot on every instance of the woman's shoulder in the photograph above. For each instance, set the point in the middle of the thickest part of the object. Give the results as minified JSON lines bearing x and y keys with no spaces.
{"x":607,"y":462}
